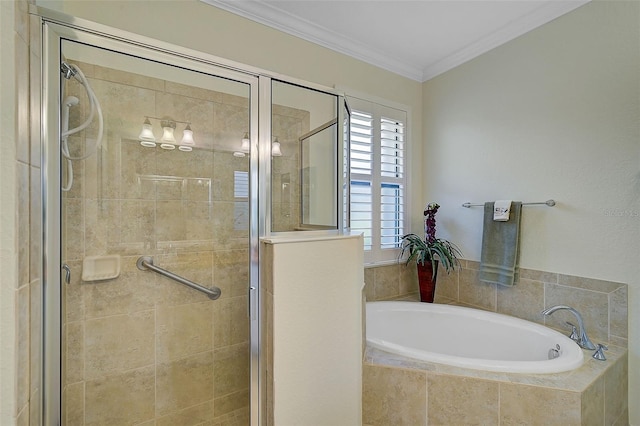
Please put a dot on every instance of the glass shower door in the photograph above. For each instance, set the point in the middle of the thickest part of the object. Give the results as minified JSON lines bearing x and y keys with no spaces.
{"x":157,"y":173}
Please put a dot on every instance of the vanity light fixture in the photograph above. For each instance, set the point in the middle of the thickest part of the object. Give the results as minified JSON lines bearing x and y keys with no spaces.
{"x":275,"y":148}
{"x":168,"y":139}
{"x":245,"y":147}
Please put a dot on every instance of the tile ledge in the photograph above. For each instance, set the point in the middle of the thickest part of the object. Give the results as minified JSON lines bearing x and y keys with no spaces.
{"x":576,"y":380}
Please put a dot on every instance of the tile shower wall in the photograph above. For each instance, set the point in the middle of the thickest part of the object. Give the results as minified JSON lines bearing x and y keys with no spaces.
{"x":141,"y":348}
{"x":603,"y":304}
{"x":288,"y":125}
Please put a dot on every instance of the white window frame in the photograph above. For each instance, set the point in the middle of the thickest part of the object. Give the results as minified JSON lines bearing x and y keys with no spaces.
{"x":383,"y":109}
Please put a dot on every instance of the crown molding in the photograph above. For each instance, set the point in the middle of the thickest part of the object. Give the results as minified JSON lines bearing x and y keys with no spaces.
{"x":514,"y":29}
{"x":278,"y":19}
{"x":270,"y":16}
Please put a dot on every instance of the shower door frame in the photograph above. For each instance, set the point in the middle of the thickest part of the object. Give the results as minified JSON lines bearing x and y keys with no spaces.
{"x":54,"y":29}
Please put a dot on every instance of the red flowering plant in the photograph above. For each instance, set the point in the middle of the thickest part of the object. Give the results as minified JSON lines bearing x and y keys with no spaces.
{"x":430,"y":249}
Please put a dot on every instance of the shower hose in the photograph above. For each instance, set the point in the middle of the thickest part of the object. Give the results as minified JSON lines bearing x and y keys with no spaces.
{"x":70,"y":70}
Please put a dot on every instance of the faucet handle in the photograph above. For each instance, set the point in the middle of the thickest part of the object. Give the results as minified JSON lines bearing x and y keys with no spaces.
{"x":599,"y":354}
{"x":574,"y":332}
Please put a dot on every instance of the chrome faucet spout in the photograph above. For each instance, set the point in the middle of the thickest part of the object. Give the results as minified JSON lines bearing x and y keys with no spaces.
{"x":582,"y":338}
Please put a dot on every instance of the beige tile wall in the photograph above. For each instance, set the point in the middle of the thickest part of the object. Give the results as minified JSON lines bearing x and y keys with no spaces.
{"x":398,"y":391}
{"x":288,"y":125}
{"x":142,"y":348}
{"x":392,"y":396}
{"x":602,"y":304}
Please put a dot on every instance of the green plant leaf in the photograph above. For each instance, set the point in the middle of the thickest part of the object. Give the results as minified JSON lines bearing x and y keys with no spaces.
{"x":418,"y":250}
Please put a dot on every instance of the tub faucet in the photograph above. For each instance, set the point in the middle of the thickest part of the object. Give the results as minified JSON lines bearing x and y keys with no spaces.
{"x":581,"y":339}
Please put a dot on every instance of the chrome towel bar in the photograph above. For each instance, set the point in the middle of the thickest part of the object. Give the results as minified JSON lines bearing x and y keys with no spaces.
{"x":549,"y":203}
{"x":145,"y":263}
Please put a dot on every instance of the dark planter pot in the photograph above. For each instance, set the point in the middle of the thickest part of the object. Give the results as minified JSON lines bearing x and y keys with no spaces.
{"x":427,"y":281}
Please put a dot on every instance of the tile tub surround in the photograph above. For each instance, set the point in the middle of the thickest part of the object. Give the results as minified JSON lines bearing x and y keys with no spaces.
{"x":594,"y":394}
{"x":403,"y":391}
{"x":602,"y":304}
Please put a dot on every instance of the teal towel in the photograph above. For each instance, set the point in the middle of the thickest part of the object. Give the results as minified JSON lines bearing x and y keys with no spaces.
{"x":500,"y":241}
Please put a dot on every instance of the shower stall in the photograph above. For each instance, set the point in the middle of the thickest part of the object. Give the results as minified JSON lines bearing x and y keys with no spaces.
{"x":153,"y":208}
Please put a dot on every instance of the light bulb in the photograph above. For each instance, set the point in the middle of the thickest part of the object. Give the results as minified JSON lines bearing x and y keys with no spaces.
{"x":246,"y":144}
{"x":146,"y":134}
{"x":187,"y":136}
{"x":167,"y":135}
{"x":275,"y":148}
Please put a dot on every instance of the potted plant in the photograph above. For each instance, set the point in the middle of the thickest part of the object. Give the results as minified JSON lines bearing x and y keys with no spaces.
{"x":428,"y":253}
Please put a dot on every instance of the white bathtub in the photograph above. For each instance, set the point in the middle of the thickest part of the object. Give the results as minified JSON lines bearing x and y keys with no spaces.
{"x":469,"y":338}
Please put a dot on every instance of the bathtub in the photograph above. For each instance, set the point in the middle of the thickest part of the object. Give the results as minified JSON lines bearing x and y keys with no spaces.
{"x":469,"y":338}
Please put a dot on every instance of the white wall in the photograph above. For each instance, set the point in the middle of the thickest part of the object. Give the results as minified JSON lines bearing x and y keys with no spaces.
{"x":552,"y":114}
{"x":8,"y":253}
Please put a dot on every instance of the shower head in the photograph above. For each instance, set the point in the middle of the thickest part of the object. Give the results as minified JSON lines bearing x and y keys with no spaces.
{"x":70,"y":101}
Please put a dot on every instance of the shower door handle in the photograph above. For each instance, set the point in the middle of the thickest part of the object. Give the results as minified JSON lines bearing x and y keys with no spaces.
{"x":67,"y":273}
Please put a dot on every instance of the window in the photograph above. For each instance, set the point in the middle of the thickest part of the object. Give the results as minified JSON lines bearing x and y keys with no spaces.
{"x":378,"y":178}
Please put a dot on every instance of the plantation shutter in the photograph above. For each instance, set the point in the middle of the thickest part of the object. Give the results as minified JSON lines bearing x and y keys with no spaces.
{"x":392,"y":182}
{"x":361,"y":169}
{"x":378,"y":178}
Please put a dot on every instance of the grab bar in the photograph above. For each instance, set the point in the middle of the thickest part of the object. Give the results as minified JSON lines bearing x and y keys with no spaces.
{"x":146,"y":263}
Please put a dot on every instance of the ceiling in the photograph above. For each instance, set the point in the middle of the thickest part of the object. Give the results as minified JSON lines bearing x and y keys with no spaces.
{"x":418,"y":39}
